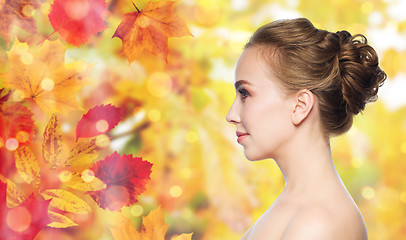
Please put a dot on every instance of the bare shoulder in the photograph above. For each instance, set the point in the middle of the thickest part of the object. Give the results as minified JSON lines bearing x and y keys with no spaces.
{"x":321,"y":222}
{"x":314,"y":223}
{"x":337,"y":219}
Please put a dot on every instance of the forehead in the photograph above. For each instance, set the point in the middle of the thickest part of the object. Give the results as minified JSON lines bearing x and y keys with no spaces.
{"x":253,"y":68}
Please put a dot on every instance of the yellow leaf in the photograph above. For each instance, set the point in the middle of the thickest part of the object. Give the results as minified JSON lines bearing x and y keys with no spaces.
{"x":59,"y":220}
{"x":153,"y":227}
{"x":41,"y":74}
{"x":27,"y":165}
{"x":66,"y":201}
{"x":124,"y":229}
{"x":84,"y":153}
{"x":77,"y":182}
{"x":52,"y":144}
{"x":183,"y":237}
{"x":14,"y":196}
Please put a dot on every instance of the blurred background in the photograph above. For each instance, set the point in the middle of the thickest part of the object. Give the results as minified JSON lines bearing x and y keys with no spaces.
{"x":174,"y":114}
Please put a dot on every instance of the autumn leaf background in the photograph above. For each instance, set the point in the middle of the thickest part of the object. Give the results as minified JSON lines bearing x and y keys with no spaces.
{"x":112,"y":118}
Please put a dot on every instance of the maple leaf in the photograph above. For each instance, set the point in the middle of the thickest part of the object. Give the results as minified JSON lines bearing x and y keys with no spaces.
{"x":125,"y":178}
{"x":77,"y":20}
{"x":23,"y":221}
{"x":149,"y":29}
{"x":98,"y":120}
{"x":43,"y":76}
{"x":153,"y":227}
{"x":14,"y":12}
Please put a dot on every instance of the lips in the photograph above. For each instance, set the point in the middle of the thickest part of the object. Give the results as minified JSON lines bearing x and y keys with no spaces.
{"x":239,"y":134}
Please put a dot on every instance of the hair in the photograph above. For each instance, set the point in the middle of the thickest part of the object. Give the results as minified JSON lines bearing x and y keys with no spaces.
{"x":340,"y":69}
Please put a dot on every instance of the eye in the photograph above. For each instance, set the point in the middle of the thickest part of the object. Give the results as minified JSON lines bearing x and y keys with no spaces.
{"x":243,"y":93}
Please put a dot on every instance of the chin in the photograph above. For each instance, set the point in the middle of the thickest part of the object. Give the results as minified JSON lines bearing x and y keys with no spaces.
{"x":257,"y":154}
{"x":254,"y":157}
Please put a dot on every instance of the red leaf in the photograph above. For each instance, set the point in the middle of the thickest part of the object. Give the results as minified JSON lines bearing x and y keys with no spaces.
{"x":125,"y":177}
{"x":77,"y":20}
{"x":98,"y":120}
{"x":7,"y":165}
{"x":16,"y":122}
{"x":23,"y":221}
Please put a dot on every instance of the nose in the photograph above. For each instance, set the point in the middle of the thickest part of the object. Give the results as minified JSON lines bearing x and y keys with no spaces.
{"x":233,"y":115}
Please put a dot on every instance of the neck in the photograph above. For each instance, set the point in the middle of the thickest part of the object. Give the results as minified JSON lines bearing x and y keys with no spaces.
{"x":310,"y":167}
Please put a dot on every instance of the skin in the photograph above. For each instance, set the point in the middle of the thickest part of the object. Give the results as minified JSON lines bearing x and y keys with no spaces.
{"x":286,"y":127}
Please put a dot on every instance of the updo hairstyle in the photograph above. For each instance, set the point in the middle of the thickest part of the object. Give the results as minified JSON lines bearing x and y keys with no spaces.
{"x":340,"y":69}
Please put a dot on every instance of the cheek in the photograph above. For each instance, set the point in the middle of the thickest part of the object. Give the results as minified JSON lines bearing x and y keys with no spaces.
{"x":267,"y":118}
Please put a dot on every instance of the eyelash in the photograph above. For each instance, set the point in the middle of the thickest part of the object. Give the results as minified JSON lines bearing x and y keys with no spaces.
{"x":243,"y":93}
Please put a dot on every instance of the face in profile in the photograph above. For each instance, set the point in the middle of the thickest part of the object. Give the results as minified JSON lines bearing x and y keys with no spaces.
{"x":261,"y":110}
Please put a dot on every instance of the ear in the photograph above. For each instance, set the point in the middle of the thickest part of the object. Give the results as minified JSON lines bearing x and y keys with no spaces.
{"x":304,"y":101}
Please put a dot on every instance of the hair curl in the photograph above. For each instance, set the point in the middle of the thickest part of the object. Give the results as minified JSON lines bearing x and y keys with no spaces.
{"x":340,"y":69}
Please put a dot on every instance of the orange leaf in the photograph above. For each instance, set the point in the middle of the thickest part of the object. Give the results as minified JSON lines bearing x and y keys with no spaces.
{"x":41,"y":74}
{"x":149,"y":29}
{"x":153,"y":227}
{"x":16,"y":12}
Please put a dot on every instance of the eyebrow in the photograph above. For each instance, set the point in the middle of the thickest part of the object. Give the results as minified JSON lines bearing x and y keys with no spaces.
{"x":241,"y":82}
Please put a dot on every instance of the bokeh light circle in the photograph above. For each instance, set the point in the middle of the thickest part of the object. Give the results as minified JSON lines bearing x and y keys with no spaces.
{"x":11,"y":144}
{"x":18,"y":219}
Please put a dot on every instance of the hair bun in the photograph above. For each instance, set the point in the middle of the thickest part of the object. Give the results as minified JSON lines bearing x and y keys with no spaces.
{"x":359,"y":70}
{"x":344,"y":37}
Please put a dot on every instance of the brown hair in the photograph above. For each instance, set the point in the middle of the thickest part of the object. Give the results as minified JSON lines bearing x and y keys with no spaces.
{"x":340,"y":69}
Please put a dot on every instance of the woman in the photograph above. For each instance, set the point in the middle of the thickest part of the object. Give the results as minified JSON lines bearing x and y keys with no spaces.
{"x":297,"y":86}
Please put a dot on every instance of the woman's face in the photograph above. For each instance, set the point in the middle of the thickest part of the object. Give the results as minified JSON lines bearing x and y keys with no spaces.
{"x":261,"y":110}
